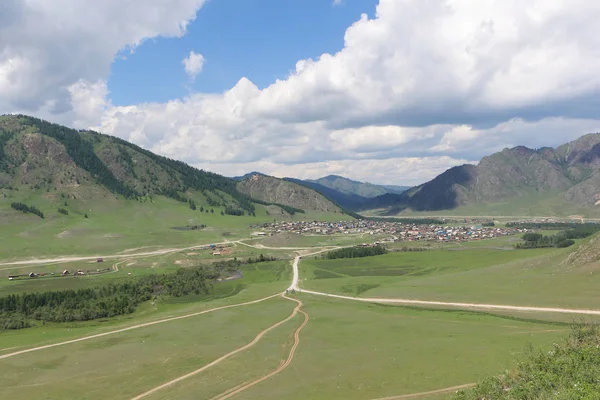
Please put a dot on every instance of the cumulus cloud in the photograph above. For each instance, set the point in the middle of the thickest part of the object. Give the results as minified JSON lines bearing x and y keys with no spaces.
{"x":193,"y":64}
{"x":46,"y":47}
{"x":420,"y":87}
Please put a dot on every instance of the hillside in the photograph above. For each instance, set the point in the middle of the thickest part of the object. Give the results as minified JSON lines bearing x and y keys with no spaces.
{"x":39,"y":156}
{"x":350,"y":187}
{"x":89,"y":192}
{"x":521,"y":181}
{"x":353,"y":195}
{"x":279,"y":191}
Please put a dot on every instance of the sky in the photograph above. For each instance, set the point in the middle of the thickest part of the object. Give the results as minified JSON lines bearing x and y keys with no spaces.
{"x":388,"y":91}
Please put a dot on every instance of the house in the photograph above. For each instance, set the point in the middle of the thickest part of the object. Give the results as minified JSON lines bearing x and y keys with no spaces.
{"x":65,"y":272}
{"x":100,"y":260}
{"x":216,"y":253}
{"x":32,"y":275}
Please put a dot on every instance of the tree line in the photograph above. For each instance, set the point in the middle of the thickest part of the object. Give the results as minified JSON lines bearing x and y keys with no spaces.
{"x":561,"y":239}
{"x":17,"y":310}
{"x":27,"y":209}
{"x":355,"y":252}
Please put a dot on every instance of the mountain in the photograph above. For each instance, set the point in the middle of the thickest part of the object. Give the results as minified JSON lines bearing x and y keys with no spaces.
{"x":248,"y":175}
{"x":352,"y":195}
{"x":40,"y":157}
{"x":551,"y":181}
{"x":347,"y":201}
{"x":279,"y":191}
{"x":350,"y":187}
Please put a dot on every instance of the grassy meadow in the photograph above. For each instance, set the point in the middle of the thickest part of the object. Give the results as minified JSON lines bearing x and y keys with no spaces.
{"x":348,"y":350}
{"x":114,"y":225}
{"x":534,"y":277}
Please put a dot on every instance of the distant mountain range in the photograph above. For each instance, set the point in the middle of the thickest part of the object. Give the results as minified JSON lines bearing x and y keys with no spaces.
{"x":546,"y":181}
{"x":348,"y":194}
{"x":43,"y":160}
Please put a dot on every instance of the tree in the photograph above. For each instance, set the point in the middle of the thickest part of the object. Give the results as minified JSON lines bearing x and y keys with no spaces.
{"x":85,"y":216}
{"x":212,"y":211}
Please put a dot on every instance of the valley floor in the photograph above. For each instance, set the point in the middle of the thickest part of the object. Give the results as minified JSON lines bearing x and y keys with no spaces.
{"x":397,"y":326}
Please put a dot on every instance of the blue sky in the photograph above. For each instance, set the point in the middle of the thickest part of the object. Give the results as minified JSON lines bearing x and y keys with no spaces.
{"x":418,"y":86}
{"x":258,"y":39}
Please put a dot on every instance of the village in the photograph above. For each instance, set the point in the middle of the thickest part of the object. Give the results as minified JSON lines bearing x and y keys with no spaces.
{"x":397,"y":231}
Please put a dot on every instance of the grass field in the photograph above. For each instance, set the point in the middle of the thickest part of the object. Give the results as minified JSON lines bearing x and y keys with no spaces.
{"x":348,"y":350}
{"x":259,"y":280}
{"x":115,"y":225}
{"x":130,"y":363}
{"x":512,"y":277}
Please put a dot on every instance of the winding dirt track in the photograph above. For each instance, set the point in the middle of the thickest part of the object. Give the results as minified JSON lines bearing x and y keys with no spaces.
{"x":283,"y":366}
{"x":234,"y":352}
{"x":129,"y":328}
{"x":432,"y":392}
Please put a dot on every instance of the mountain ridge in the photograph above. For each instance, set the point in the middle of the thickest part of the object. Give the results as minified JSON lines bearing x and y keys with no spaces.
{"x":568,"y":174}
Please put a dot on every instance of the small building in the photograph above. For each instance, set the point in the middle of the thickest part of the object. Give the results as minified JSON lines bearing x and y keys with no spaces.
{"x":216,"y":253}
{"x":100,"y":260}
{"x":32,"y":275}
{"x":65,"y":272}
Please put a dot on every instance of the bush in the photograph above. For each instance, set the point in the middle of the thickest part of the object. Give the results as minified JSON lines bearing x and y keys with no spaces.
{"x":355,"y":252}
{"x":532,"y":237}
{"x":27,"y":209}
{"x":63,"y":211}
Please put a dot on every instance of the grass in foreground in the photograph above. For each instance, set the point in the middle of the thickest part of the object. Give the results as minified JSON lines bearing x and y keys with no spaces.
{"x":569,"y":371}
{"x":123,"y":365}
{"x":356,"y":351}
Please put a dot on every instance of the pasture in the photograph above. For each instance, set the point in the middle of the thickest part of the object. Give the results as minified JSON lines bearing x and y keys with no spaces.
{"x":347,"y":350}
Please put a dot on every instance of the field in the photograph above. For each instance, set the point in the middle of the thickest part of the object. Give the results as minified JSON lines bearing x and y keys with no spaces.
{"x":115,"y":225}
{"x":346,"y":350}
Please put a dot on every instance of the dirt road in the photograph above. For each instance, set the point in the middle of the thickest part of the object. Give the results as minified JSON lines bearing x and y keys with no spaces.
{"x":231,"y":393}
{"x":232,"y":353}
{"x":487,"y":307}
{"x":161,"y":321}
{"x":68,"y":259}
{"x":430,"y":393}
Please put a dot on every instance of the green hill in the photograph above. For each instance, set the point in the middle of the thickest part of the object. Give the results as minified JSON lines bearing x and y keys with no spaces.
{"x":101,"y":193}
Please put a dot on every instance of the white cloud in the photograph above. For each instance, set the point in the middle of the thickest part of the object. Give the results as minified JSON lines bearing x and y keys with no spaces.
{"x":337,"y":2}
{"x":193,"y":64}
{"x":48,"y":46}
{"x":434,"y":82}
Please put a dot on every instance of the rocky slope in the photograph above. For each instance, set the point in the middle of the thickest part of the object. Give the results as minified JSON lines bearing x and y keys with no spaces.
{"x":569,"y":173}
{"x":279,"y":191}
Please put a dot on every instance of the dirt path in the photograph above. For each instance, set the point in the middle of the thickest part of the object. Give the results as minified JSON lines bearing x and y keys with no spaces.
{"x":487,"y":307}
{"x":57,"y":260}
{"x":160,"y":321}
{"x":230,"y":354}
{"x":231,"y":393}
{"x":439,"y":391}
